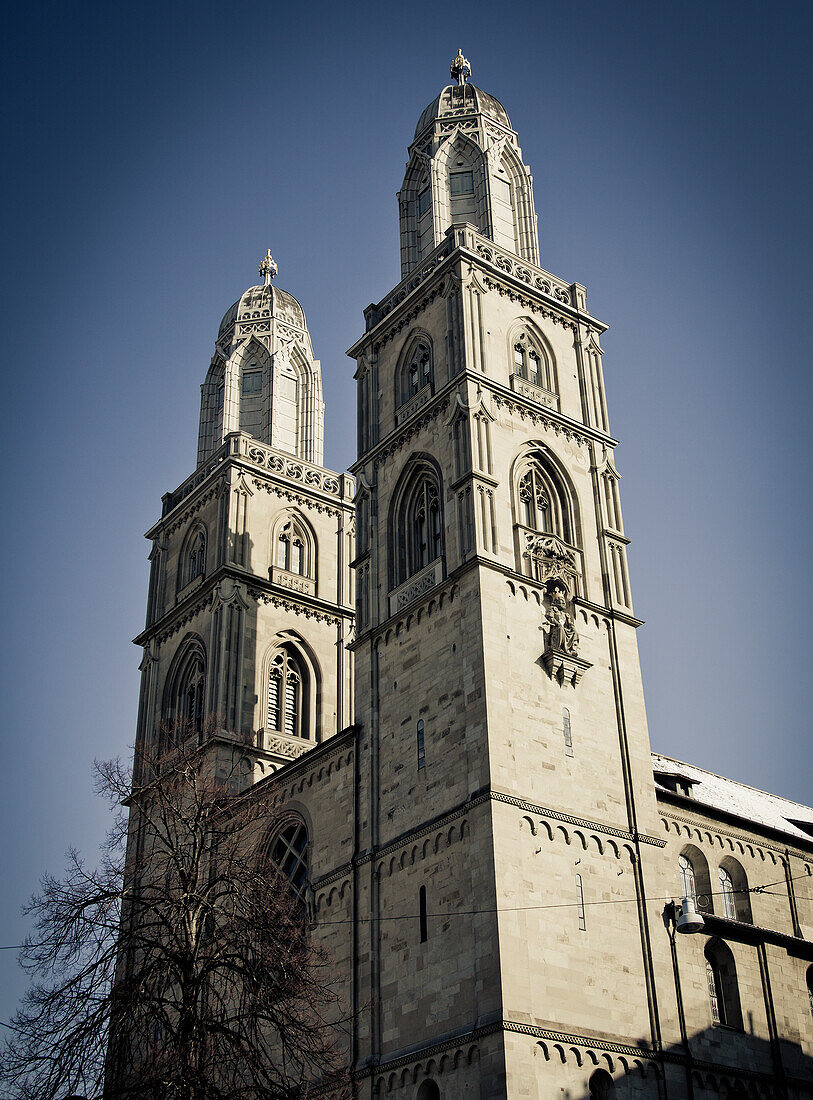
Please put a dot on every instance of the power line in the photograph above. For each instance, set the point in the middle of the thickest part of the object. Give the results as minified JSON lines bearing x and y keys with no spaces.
{"x":765,"y":888}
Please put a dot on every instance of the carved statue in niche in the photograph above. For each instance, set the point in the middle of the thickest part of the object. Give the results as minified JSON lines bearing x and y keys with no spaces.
{"x":562,"y":636}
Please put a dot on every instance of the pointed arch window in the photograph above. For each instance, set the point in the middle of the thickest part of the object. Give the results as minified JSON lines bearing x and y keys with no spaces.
{"x":291,"y":550}
{"x":418,"y":534}
{"x":535,"y":500}
{"x":416,"y":371}
{"x":294,"y":548}
{"x":184,"y":702}
{"x":532,"y":364}
{"x":193,"y":558}
{"x":287,"y":695}
{"x":191,"y":697}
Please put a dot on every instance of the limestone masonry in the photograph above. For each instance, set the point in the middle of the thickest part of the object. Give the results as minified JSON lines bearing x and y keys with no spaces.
{"x":433,"y":664}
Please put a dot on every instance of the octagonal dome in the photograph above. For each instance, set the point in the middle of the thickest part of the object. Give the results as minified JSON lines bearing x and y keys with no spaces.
{"x":263,"y":301}
{"x":462,"y":99}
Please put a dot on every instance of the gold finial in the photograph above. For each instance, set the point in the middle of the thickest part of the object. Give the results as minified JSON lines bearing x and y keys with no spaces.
{"x":267,"y":268}
{"x":460,"y":68}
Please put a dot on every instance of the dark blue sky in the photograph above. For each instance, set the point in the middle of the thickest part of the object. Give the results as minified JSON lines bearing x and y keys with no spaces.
{"x":152,"y":154}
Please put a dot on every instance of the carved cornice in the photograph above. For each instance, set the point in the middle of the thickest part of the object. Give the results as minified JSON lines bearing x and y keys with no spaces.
{"x":575,"y":1039}
{"x":296,"y":608}
{"x":186,"y":616}
{"x":430,"y":1051}
{"x":178,"y":521}
{"x":273,"y":489}
{"x":394,"y":444}
{"x":741,"y":838}
{"x":525,"y":411}
{"x":582,"y":822}
{"x":466,"y":807}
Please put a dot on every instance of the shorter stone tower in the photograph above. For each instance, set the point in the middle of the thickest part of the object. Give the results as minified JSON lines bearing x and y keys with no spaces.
{"x":250,"y":601}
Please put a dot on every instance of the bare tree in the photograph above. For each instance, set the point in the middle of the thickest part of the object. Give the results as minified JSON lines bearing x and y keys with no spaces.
{"x":184,"y":965}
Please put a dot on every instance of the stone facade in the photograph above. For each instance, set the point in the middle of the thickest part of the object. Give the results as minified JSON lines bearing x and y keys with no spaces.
{"x":490,"y":849}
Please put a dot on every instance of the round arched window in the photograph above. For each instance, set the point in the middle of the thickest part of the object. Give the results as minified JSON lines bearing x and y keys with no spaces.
{"x":289,"y":855}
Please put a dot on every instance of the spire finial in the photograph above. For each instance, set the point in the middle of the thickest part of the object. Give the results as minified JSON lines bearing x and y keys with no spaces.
{"x":460,"y":68}
{"x":267,"y":268}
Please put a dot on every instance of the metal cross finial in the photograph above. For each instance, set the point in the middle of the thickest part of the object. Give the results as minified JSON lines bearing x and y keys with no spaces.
{"x":460,"y":68}
{"x":267,"y":268}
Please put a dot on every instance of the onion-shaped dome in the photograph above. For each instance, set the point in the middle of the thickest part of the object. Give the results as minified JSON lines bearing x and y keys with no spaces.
{"x":263,"y":302}
{"x":462,"y":99}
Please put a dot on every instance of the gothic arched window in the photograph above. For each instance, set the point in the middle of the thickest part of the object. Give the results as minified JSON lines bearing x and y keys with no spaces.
{"x":418,"y":525}
{"x":185,"y":693}
{"x":287,"y":695}
{"x":193,"y":557}
{"x":721,"y":977}
{"x":294,"y":547}
{"x":542,"y":502}
{"x":534,"y":500}
{"x":289,"y":854}
{"x":531,"y":362}
{"x":190,"y":698}
{"x":416,"y":371}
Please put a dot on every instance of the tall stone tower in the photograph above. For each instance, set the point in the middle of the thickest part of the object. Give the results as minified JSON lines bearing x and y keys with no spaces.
{"x":250,"y":604}
{"x":503,"y":741}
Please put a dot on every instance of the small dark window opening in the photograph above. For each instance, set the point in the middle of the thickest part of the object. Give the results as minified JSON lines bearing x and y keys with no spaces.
{"x":423,"y":921}
{"x":568,"y":735}
{"x":580,"y":904}
{"x":424,"y":202}
{"x":421,"y":746}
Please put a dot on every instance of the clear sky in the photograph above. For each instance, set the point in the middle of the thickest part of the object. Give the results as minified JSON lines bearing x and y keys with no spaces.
{"x":154,"y":151}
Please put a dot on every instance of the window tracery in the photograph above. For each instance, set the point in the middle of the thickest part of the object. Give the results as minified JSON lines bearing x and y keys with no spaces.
{"x":416,"y":371}
{"x":184,"y":694}
{"x":531,"y":363}
{"x":193,"y":558}
{"x":417,"y":535}
{"x":294,"y":547}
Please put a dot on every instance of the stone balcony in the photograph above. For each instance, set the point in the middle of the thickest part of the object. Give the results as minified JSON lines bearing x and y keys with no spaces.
{"x":534,"y":392}
{"x":428,"y":577}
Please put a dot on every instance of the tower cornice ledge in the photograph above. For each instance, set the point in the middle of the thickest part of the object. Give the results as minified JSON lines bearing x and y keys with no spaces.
{"x":466,"y":242}
{"x":403,"y":433}
{"x":332,"y":488}
{"x":257,"y":587}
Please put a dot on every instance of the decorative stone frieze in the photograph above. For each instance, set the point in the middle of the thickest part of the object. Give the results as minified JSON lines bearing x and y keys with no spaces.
{"x":416,"y":586}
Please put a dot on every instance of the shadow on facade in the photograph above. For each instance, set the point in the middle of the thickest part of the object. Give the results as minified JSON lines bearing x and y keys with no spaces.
{"x":721,"y":1063}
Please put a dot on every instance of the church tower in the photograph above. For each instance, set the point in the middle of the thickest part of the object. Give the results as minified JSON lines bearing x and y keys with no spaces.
{"x":250,"y":602}
{"x":503,"y":744}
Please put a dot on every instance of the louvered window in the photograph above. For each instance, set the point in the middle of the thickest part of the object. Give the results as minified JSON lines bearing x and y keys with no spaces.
{"x":286,"y":712}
